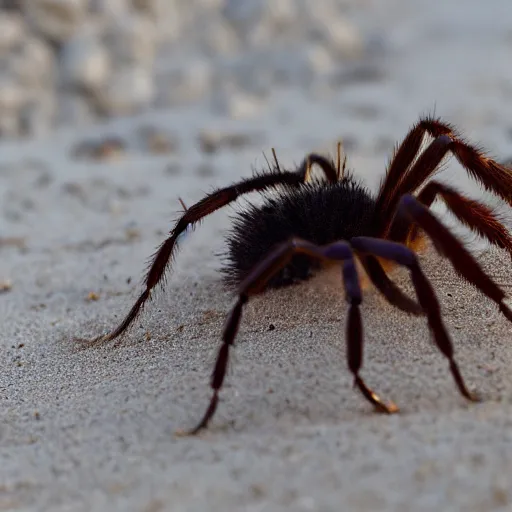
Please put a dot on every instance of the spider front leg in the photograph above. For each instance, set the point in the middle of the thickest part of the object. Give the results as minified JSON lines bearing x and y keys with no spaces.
{"x":256,"y":281}
{"x":404,"y":256}
{"x":355,"y":336}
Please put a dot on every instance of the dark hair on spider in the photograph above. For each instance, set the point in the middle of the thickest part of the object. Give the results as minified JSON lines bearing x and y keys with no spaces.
{"x":318,"y":211}
{"x":304,"y":222}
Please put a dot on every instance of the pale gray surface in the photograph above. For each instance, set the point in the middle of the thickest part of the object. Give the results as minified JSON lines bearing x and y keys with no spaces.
{"x":290,"y":433}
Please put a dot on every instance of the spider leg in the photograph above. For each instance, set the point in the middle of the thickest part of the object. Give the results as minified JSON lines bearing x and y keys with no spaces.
{"x":210,"y":203}
{"x":405,"y":256}
{"x":404,"y":176}
{"x":448,"y":245}
{"x":387,"y":287}
{"x":404,"y":155}
{"x":471,"y":213}
{"x":256,"y":281}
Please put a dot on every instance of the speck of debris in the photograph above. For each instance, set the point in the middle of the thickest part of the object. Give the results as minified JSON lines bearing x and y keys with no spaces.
{"x":212,"y":141}
{"x":5,"y":286}
{"x":132,"y":234}
{"x":271,"y":327}
{"x":93,"y":296}
{"x":108,"y":148}
{"x":156,"y":141}
{"x":13,"y":241}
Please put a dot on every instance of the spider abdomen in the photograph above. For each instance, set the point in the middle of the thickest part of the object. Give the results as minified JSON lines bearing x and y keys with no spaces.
{"x":317,"y":211}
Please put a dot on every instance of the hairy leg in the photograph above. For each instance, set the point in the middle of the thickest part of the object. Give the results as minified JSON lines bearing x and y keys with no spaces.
{"x":405,"y":174}
{"x":448,"y":246}
{"x":388,"y":288}
{"x":210,"y":203}
{"x":473,"y":214}
{"x":426,"y":296}
{"x":255,"y":282}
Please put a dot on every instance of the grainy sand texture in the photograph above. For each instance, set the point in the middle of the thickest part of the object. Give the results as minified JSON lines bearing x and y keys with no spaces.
{"x":92,"y":429}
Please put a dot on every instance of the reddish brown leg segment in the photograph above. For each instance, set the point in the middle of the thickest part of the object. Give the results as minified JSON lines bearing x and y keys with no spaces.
{"x":207,"y":205}
{"x":404,"y":176}
{"x":471,"y":213}
{"x":448,"y":245}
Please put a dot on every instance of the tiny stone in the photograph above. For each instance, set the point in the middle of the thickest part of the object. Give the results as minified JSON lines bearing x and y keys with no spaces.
{"x":131,"y":41}
{"x":245,"y":106}
{"x":128,"y":91}
{"x":33,"y":64}
{"x":56,"y":20}
{"x":344,"y":38}
{"x":212,"y":141}
{"x":156,"y":141}
{"x":85,"y":63}
{"x":5,"y":286}
{"x":108,"y":148}
{"x":319,"y":59}
{"x":12,"y":31}
{"x":184,"y":84}
{"x":12,"y":97}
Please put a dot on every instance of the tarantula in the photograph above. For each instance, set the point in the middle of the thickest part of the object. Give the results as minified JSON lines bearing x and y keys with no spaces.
{"x":307,"y":222}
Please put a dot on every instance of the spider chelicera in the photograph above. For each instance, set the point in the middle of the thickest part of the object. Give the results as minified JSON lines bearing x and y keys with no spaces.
{"x":305,"y":222}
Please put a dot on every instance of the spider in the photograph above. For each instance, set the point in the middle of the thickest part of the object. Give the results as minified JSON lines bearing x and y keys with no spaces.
{"x":304,"y":223}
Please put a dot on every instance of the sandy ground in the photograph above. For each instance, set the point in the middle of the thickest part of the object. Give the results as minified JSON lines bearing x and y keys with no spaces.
{"x":94,"y":429}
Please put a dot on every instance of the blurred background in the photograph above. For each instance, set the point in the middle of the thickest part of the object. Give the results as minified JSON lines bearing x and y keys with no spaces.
{"x":71,"y":62}
{"x":76,"y":62}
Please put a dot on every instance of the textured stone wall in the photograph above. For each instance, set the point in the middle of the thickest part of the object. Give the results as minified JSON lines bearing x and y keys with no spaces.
{"x":76,"y":61}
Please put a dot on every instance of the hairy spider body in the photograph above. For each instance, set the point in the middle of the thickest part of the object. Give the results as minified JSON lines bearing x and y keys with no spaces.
{"x":303,"y":224}
{"x":317,"y":211}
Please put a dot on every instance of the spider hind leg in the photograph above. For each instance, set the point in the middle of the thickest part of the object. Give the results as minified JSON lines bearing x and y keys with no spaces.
{"x":402,"y":255}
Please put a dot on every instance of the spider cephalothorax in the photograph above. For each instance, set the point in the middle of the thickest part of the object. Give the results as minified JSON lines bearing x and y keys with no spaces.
{"x":316,"y":211}
{"x":303,"y":223}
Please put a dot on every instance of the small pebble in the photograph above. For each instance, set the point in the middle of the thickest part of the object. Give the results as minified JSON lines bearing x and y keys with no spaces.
{"x":5,"y":286}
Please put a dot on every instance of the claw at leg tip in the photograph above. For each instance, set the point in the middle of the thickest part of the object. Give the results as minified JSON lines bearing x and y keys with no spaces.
{"x":475,"y":397}
{"x":187,"y":433}
{"x":389,"y":408}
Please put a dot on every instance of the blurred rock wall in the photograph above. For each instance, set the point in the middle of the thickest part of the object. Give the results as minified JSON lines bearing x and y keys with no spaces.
{"x":71,"y":62}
